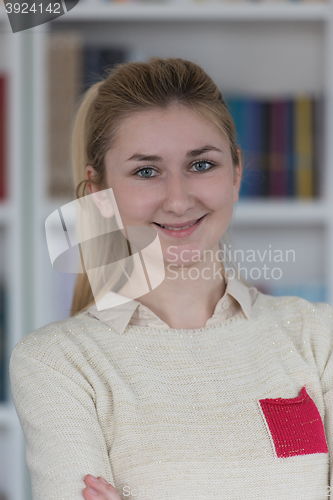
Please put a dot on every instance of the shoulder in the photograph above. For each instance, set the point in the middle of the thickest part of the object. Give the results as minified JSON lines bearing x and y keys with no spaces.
{"x":59,"y":341}
{"x":307,"y":325}
{"x":294,"y":308}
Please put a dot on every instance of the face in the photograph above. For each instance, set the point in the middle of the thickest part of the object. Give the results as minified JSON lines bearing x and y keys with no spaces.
{"x":173,"y":168}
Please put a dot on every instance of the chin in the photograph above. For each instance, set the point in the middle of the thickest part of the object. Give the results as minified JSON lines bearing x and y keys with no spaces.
{"x":181,"y":255}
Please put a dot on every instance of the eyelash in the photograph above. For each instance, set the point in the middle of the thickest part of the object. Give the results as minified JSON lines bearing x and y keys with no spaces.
{"x":195,"y":163}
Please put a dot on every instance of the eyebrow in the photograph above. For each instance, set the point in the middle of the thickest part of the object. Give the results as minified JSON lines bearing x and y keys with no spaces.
{"x":189,"y":154}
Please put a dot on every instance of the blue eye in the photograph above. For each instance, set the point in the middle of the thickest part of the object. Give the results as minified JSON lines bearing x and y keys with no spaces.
{"x":146,"y":172}
{"x":202,"y":165}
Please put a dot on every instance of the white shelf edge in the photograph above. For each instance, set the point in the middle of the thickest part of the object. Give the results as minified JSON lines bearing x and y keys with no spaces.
{"x":256,"y":212}
{"x":284,"y":213}
{"x":191,"y":11}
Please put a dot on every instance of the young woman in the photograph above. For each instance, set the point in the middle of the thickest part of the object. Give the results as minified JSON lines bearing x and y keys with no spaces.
{"x":201,"y":388}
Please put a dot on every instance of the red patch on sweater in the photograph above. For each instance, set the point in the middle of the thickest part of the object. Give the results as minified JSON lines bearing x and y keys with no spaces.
{"x":295,"y":425}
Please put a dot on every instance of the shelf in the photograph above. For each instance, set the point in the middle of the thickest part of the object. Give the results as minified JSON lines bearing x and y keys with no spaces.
{"x":286,"y":212}
{"x":190,"y":11}
{"x":281,"y":212}
{"x":264,"y":47}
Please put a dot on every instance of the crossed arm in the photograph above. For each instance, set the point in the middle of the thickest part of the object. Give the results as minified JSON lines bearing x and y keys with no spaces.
{"x":64,"y":439}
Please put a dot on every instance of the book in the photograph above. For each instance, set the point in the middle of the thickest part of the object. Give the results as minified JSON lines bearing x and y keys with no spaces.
{"x":278,"y":156}
{"x":282,"y":145}
{"x":98,"y":60}
{"x":3,"y":135}
{"x":256,"y":116}
{"x":303,"y":147}
{"x":64,"y":75}
{"x":291,"y":189}
{"x":235,"y":105}
{"x":72,"y":67}
{"x":266,"y":114}
{"x":318,"y":143}
{"x":251,"y":117}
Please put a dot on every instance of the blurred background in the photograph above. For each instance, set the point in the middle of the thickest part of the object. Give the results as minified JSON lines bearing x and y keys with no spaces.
{"x":273,"y":62}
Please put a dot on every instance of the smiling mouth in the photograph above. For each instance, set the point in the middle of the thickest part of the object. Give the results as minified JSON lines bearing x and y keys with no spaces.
{"x":179,"y":228}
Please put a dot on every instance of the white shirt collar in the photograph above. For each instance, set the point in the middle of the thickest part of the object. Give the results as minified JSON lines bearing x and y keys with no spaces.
{"x":119,"y":316}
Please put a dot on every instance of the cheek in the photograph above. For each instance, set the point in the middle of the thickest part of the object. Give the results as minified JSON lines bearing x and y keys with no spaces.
{"x":133,"y":205}
{"x":219,"y":196}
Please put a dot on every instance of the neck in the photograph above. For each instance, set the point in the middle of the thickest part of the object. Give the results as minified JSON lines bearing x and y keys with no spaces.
{"x":188,"y":295}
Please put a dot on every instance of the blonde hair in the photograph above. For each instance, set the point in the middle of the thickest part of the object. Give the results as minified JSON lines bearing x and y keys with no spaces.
{"x":128,"y":88}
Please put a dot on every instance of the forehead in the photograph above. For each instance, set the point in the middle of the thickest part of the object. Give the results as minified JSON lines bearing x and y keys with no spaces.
{"x":176,"y":124}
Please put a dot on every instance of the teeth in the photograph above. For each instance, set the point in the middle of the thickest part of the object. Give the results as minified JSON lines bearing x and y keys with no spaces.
{"x":179,"y":228}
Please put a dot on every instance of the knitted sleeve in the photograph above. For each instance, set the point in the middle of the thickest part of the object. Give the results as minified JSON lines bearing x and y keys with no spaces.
{"x":324,"y":355}
{"x":64,"y":440}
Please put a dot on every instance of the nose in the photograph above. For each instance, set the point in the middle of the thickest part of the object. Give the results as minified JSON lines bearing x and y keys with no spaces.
{"x":178,"y":197}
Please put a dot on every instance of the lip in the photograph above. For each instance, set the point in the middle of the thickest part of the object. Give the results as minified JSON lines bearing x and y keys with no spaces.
{"x":183,"y":224}
{"x":181,"y":233}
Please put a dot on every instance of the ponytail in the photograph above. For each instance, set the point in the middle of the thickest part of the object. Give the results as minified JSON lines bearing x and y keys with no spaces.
{"x":82,"y":297}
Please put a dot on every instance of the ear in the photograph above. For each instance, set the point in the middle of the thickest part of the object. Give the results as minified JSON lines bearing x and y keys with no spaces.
{"x":237,"y":176}
{"x":101,"y":198}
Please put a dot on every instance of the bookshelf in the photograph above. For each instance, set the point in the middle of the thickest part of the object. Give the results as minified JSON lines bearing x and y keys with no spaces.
{"x":13,"y":471}
{"x":263,"y":49}
{"x":289,"y":47}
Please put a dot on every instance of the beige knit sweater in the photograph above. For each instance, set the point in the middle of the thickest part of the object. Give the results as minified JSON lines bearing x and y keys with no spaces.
{"x":170,"y":414}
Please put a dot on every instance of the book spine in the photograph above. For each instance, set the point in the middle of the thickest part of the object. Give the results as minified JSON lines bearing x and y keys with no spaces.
{"x":110,"y":57}
{"x":64,"y":79}
{"x":255,"y":146}
{"x":291,"y":189}
{"x":236,"y":106}
{"x":303,"y":141}
{"x":98,"y":61}
{"x":265,"y":136}
{"x":318,"y":144}
{"x":91,"y":67}
{"x":278,"y":149}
